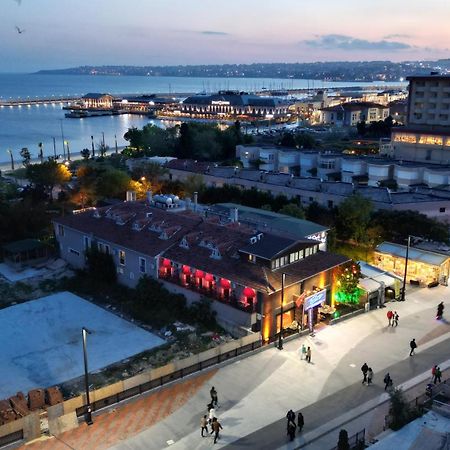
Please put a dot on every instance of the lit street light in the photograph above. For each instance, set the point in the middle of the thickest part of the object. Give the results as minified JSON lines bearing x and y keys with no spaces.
{"x":88,"y":416}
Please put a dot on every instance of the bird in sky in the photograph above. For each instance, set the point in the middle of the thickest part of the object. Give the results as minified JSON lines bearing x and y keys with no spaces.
{"x":19,"y":30}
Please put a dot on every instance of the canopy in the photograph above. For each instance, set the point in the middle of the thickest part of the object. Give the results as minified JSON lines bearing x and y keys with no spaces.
{"x":369,"y":285}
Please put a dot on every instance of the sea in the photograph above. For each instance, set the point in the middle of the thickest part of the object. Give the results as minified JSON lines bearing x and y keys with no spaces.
{"x":27,"y":126}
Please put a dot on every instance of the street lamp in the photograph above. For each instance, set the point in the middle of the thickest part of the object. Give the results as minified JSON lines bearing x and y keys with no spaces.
{"x":12,"y":158}
{"x":115,"y":142}
{"x":93,"y":148}
{"x":280,"y":336}
{"x":62,"y":137}
{"x":68,"y":150}
{"x":402,"y":298}
{"x":88,"y":416}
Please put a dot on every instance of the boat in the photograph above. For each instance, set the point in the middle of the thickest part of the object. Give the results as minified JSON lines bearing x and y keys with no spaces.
{"x":76,"y":114}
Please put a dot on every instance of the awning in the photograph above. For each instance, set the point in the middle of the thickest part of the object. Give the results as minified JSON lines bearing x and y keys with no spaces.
{"x":387,"y":280}
{"x":369,"y":285}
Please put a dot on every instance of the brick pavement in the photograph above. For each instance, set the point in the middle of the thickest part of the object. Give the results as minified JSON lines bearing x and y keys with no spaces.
{"x":127,"y":420}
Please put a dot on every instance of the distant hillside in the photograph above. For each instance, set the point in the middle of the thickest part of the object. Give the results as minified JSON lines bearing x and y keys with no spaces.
{"x":332,"y":71}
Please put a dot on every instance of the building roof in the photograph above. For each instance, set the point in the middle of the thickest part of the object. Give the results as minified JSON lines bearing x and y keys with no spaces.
{"x":189,"y":165}
{"x":291,"y":226}
{"x":431,"y":76}
{"x":415,"y":254}
{"x":24,"y":245}
{"x":271,"y":248}
{"x":354,"y":106}
{"x":233,"y":99}
{"x":96,"y":95}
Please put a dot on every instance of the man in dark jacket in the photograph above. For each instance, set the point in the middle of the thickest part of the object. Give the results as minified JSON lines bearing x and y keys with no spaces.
{"x":364,"y":369}
{"x":300,"y":421}
{"x":216,"y":427}
{"x":413,"y":347}
{"x":290,"y":416}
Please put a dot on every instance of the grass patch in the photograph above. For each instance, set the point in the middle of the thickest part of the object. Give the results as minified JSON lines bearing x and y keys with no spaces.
{"x":355,"y":251}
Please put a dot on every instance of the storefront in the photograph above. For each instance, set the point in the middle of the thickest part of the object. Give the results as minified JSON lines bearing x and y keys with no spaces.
{"x":424,"y":268}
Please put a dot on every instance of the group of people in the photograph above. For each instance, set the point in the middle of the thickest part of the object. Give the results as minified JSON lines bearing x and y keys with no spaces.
{"x":291,"y":425}
{"x":210,"y":418}
{"x":436,"y":374}
{"x":306,"y":353}
{"x":367,"y":374}
{"x":392,"y":318}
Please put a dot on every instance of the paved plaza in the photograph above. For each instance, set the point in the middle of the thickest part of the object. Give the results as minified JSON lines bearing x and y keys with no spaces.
{"x":255,"y":392}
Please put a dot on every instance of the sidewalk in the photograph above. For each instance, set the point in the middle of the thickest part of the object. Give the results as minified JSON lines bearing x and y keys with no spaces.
{"x":256,"y":392}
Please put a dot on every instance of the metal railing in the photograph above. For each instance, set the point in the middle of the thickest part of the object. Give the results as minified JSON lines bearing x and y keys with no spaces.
{"x":161,"y":381}
{"x":11,"y":438}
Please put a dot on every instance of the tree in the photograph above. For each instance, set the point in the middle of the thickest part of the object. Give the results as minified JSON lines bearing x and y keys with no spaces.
{"x":400,"y":411}
{"x":26,"y":156}
{"x":291,"y":209}
{"x":48,"y":175}
{"x":193,"y":183}
{"x":112,"y":183}
{"x":353,"y":217}
{"x":347,"y":280}
{"x":305,"y":140}
{"x":361,"y":128}
{"x":185,"y":142}
{"x":101,"y":265}
{"x":288,"y":140}
{"x":343,"y":443}
{"x":85,"y":153}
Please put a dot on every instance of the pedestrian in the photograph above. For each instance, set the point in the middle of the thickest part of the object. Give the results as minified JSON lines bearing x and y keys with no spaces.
{"x":440,"y":311}
{"x":308,"y":354}
{"x":364,"y":369}
{"x":204,"y":424}
{"x":216,"y":427}
{"x":212,"y":414}
{"x":369,"y":376}
{"x":387,"y":381}
{"x":303,"y":354}
{"x":300,"y":421}
{"x":413,"y":347}
{"x":437,"y":375}
{"x":389,"y":315}
{"x":291,"y":430}
{"x":395,"y":317}
{"x":290,"y":416}
{"x":213,"y":394}
{"x":433,"y":372}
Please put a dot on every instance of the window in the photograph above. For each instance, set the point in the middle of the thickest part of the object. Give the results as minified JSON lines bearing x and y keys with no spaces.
{"x":142,"y":265}
{"x":442,"y":210}
{"x":307,"y":252}
{"x":252,"y":258}
{"x":121,"y":257}
{"x":74,"y":252}
{"x":60,"y":230}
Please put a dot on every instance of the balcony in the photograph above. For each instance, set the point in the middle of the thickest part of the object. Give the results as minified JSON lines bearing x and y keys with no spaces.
{"x":212,"y":293}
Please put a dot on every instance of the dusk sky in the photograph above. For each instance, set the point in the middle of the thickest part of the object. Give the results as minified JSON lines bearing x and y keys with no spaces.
{"x":66,"y":33}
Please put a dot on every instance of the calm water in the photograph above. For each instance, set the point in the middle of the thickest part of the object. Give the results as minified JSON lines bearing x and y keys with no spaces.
{"x":27,"y":126}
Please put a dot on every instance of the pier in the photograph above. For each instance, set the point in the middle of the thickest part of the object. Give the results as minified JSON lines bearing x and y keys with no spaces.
{"x":18,"y":102}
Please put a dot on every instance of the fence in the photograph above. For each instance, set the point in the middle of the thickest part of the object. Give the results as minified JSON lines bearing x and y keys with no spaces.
{"x":357,"y":441}
{"x":122,"y":390}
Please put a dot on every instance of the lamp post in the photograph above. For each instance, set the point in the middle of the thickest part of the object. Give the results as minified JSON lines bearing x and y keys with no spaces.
{"x":12,"y":158}
{"x":62,"y":137}
{"x":54,"y":148}
{"x":402,"y":298}
{"x":93,"y":148}
{"x":280,"y":336}
{"x":88,"y":416}
{"x":68,"y":151}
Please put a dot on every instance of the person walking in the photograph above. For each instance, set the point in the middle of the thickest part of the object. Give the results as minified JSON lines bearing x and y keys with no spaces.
{"x":303,"y":353}
{"x":204,"y":424}
{"x":290,"y":416}
{"x":440,"y":311}
{"x":364,"y":369}
{"x":300,"y":421}
{"x":216,"y":427}
{"x":369,"y":376}
{"x":395,"y":319}
{"x":389,"y":315}
{"x":212,"y":415}
{"x":213,"y":394}
{"x":433,"y":372}
{"x":291,"y":430}
{"x":437,"y":375}
{"x":308,"y":354}
{"x":387,"y":381}
{"x":413,"y":347}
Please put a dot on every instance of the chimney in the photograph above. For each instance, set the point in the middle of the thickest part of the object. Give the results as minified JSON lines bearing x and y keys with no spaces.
{"x":131,"y":196}
{"x":149,"y":197}
{"x":234,"y":214}
{"x":195,"y":200}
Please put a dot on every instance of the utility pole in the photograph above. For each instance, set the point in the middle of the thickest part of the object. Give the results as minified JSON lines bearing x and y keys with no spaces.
{"x":280,"y":336}
{"x":54,"y":148}
{"x":12,"y":158}
{"x":62,"y":137}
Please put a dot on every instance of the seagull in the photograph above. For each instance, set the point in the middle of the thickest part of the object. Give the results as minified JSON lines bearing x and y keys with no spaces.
{"x":19,"y":30}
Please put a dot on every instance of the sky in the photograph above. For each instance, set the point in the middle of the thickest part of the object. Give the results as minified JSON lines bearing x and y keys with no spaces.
{"x":68,"y":33}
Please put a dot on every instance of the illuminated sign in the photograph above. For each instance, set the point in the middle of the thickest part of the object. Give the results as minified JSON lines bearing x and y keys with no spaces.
{"x":321,"y":237}
{"x":219,"y":102}
{"x":315,"y":299}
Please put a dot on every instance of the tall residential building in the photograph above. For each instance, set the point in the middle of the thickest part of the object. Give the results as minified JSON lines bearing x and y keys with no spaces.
{"x":426,"y":136}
